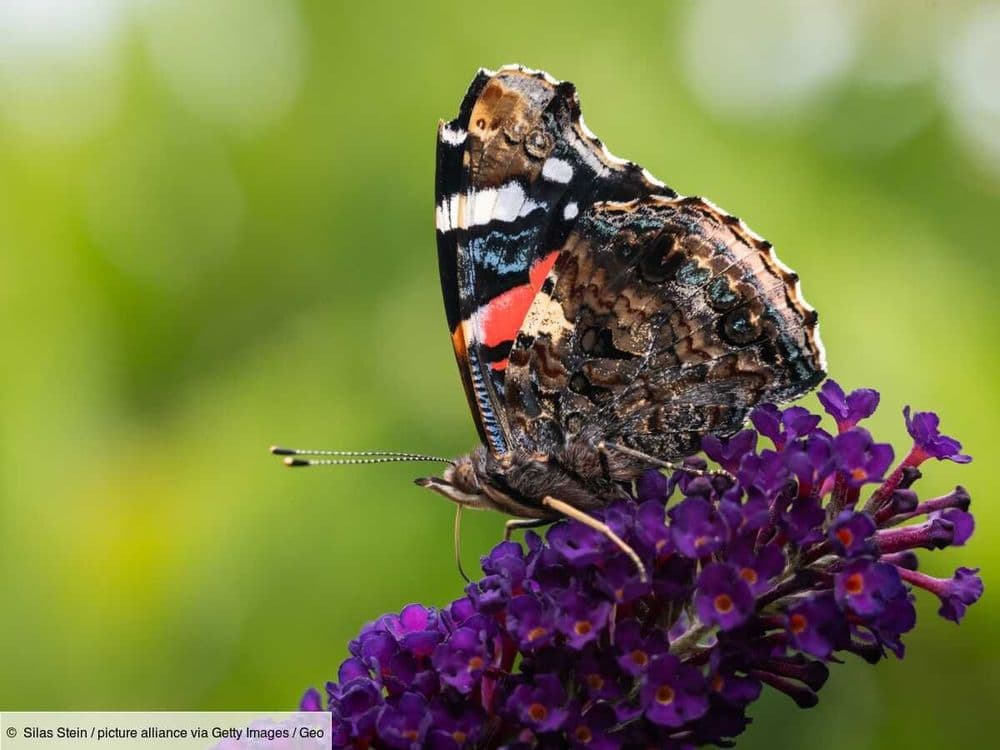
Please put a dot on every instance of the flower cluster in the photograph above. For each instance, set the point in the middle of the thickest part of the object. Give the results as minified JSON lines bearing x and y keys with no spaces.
{"x":760,"y":574}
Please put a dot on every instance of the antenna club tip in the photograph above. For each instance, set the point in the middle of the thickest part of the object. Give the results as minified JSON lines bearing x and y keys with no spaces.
{"x":422,"y":481}
{"x":277,"y":450}
{"x":292,"y":462}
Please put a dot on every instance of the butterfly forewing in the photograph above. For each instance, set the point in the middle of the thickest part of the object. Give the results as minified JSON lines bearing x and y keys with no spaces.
{"x":515,"y":170}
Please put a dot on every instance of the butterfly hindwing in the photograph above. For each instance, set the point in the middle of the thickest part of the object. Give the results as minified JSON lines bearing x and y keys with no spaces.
{"x":515,"y":170}
{"x":662,"y":320}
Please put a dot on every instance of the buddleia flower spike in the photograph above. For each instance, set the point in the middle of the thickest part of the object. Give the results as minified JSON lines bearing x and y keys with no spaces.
{"x":805,"y":548}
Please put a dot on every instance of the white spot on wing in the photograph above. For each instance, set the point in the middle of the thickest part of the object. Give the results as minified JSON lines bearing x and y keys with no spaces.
{"x":557,"y":170}
{"x":570,"y":211}
{"x":454,"y":137}
{"x":461,"y":211}
{"x":446,"y":214}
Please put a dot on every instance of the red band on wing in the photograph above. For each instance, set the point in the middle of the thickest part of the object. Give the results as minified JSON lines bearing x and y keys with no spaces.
{"x":500,"y":319}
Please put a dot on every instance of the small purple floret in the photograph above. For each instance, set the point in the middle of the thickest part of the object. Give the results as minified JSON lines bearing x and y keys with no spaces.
{"x":723,"y":597}
{"x":673,"y":693}
{"x":928,"y":442}
{"x":847,"y":409}
{"x":850,"y":533}
{"x":540,"y":706}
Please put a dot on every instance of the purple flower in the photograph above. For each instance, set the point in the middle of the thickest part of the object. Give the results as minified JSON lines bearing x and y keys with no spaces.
{"x":578,"y":547}
{"x":697,"y":527}
{"x":803,"y":521}
{"x":897,"y":618}
{"x":756,"y":567}
{"x":455,"y":727}
{"x":357,"y":706}
{"x":850,"y":533}
{"x":859,"y":458}
{"x":652,"y":486}
{"x":592,"y":729}
{"x":864,"y":586}
{"x":620,"y":580}
{"x":311,"y":701}
{"x":848,"y":409}
{"x":734,"y":689}
{"x":530,"y":622}
{"x":816,"y":625}
{"x":781,"y":427}
{"x":928,"y":442}
{"x":956,"y":593}
{"x":811,"y":461}
{"x":728,"y":453}
{"x":541,"y":706}
{"x":403,"y":722}
{"x":962,"y":523}
{"x":635,"y":651}
{"x":723,"y":598}
{"x":598,"y":675}
{"x":580,"y":619}
{"x":461,"y":659}
{"x":753,"y":577}
{"x":673,"y":693}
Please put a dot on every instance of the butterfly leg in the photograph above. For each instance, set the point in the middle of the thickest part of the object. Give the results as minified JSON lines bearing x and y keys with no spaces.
{"x":604,"y":447}
{"x":522,"y":523}
{"x":578,"y":515}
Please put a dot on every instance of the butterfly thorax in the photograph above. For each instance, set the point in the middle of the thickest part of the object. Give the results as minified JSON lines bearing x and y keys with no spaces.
{"x":515,"y":482}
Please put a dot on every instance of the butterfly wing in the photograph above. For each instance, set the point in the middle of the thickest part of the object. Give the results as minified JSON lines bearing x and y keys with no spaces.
{"x":662,"y":320}
{"x":515,"y":170}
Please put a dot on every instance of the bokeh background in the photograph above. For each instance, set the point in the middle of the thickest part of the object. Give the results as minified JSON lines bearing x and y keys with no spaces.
{"x":216,"y":233}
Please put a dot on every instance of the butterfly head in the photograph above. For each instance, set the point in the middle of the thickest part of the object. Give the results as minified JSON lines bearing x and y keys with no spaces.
{"x":461,"y":483}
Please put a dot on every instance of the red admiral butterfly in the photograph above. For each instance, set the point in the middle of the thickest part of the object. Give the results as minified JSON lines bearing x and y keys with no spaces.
{"x":602,"y":323}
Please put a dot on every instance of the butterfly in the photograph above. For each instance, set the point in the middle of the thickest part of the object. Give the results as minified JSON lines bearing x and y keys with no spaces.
{"x":591,"y":306}
{"x":602,"y":323}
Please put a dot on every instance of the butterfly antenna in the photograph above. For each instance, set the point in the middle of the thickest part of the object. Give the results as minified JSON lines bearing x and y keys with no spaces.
{"x":294,"y":457}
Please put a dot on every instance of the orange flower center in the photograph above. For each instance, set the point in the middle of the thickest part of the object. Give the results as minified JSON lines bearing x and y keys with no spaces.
{"x":640,"y":658}
{"x":411,"y":735}
{"x":855,"y":584}
{"x":723,"y":604}
{"x":583,"y":734}
{"x":535,"y":633}
{"x":582,"y":627}
{"x":797,"y":623}
{"x":859,"y":474}
{"x":476,"y":662}
{"x":749,"y":575}
{"x":845,"y":536}
{"x":459,"y":736}
{"x":718,"y":683}
{"x":537,"y":711}
{"x":595,"y":681}
{"x":664,"y":695}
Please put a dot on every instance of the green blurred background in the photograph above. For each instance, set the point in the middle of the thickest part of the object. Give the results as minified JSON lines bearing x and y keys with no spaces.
{"x":216,"y":231}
